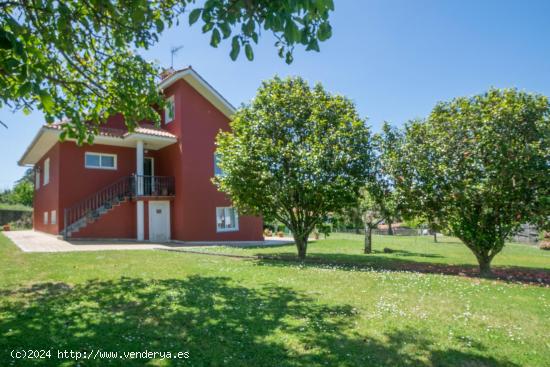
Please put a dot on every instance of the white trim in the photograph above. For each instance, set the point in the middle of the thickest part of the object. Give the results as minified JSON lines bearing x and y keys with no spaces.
{"x":140,"y":216}
{"x":202,"y":86}
{"x":47,"y":137}
{"x":139,"y":167}
{"x":114,"y":156}
{"x":37,"y":179}
{"x":150,"y":205}
{"x":234,"y":229}
{"x":35,"y":140}
{"x":46,"y":171}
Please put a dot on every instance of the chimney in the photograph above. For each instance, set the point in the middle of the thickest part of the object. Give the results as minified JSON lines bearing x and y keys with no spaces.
{"x":165,"y":73}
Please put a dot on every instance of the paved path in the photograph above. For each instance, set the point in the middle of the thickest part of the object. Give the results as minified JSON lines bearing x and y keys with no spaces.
{"x":31,"y":241}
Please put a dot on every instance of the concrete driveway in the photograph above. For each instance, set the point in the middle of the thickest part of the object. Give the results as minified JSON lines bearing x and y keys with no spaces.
{"x":31,"y":241}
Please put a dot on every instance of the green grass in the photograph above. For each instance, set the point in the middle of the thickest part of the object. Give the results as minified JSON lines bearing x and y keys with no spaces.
{"x":419,"y":249}
{"x":242,"y":312}
{"x":4,"y":206}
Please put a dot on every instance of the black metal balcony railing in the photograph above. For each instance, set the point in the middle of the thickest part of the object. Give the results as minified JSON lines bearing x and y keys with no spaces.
{"x":126,"y":188}
{"x":154,"y":186}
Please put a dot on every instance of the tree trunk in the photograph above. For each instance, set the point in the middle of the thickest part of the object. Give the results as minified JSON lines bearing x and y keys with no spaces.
{"x":484,"y":266}
{"x":390,"y":229}
{"x":301,"y":245}
{"x":368,"y":240}
{"x":435,"y":236}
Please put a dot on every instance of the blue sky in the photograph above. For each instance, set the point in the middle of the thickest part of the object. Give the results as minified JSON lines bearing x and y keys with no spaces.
{"x":394,"y":59}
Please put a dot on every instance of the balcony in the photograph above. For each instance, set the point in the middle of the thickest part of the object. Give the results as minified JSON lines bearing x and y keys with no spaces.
{"x":153,"y":186}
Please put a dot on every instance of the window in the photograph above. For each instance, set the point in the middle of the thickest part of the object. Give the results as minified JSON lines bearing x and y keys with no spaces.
{"x":100,"y":161}
{"x":217,"y":170}
{"x":169,"y":110}
{"x":36,"y":179}
{"x":45,"y":217}
{"x":53,"y":217}
{"x":46,"y":171}
{"x":227,"y":219}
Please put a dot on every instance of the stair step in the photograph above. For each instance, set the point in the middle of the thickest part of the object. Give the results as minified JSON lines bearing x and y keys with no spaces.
{"x":92,"y":215}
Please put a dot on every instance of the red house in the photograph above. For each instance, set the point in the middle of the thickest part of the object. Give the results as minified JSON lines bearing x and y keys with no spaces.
{"x":151,"y":184}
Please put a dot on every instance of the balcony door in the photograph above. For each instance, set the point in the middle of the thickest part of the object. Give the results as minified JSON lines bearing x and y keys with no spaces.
{"x":148,"y":173}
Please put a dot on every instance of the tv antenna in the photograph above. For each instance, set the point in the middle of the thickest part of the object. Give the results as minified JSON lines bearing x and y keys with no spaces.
{"x":174,"y":51}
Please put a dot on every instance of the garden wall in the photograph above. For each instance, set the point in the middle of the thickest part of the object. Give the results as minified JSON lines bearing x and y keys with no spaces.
{"x":11,"y":215}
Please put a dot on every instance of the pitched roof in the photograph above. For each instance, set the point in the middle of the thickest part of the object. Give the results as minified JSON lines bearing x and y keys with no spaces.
{"x":143,"y":129}
{"x":48,"y":135}
{"x":200,"y":85}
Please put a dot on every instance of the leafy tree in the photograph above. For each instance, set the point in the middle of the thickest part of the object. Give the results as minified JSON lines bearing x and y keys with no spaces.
{"x":371,"y":216}
{"x":380,"y":200}
{"x":23,"y":193}
{"x":76,"y":60}
{"x":28,"y":176}
{"x":381,"y":186}
{"x":480,"y":165}
{"x":295,"y":154}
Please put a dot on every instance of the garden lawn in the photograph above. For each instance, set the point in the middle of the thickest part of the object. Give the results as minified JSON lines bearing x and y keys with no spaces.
{"x":247,"y":312}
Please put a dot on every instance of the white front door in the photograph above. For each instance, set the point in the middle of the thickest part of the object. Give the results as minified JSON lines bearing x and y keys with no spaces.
{"x":159,"y":221}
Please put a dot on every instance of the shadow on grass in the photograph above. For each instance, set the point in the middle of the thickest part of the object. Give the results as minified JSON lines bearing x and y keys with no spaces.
{"x":538,"y":276}
{"x":215,"y":320}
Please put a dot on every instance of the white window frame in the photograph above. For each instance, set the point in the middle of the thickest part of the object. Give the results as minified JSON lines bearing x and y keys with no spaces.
{"x":169,"y":100}
{"x":100,"y":156}
{"x":45,"y":218}
{"x":236,"y":225}
{"x":37,"y":179}
{"x":46,"y":172}
{"x":53,"y":217}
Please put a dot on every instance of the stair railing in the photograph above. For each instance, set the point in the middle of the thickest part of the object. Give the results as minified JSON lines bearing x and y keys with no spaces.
{"x":123,"y":187}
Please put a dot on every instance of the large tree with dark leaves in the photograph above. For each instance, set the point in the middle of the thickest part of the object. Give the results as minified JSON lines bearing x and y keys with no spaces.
{"x":295,"y":155}
{"x":481,"y":166}
{"x":380,"y":200}
{"x":78,"y":60}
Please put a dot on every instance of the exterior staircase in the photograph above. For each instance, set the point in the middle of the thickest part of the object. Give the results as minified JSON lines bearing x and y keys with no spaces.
{"x":125,"y":189}
{"x":93,"y":207}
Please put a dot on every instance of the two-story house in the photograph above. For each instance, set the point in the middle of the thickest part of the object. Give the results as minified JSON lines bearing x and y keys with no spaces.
{"x":152,"y":184}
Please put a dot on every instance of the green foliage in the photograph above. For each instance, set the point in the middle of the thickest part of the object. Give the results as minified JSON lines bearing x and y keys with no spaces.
{"x":382,"y":195}
{"x":480,"y":166}
{"x":76,"y":60}
{"x":23,"y":193}
{"x":295,"y":154}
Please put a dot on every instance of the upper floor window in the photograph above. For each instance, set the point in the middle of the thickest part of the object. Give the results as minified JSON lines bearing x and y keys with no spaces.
{"x":37,"y":179}
{"x":227,"y":219}
{"x":217,"y":170}
{"x":169,"y":110}
{"x":100,"y":160}
{"x":46,"y":171}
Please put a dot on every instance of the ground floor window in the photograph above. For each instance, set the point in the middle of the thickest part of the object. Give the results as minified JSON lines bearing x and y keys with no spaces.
{"x":53,"y":217}
{"x":227,"y":219}
{"x":45,"y":217}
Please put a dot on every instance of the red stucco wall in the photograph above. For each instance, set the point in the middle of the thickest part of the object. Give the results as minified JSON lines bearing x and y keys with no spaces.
{"x":79,"y":182}
{"x":46,"y":198}
{"x":119,"y":223}
{"x":190,"y":161}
